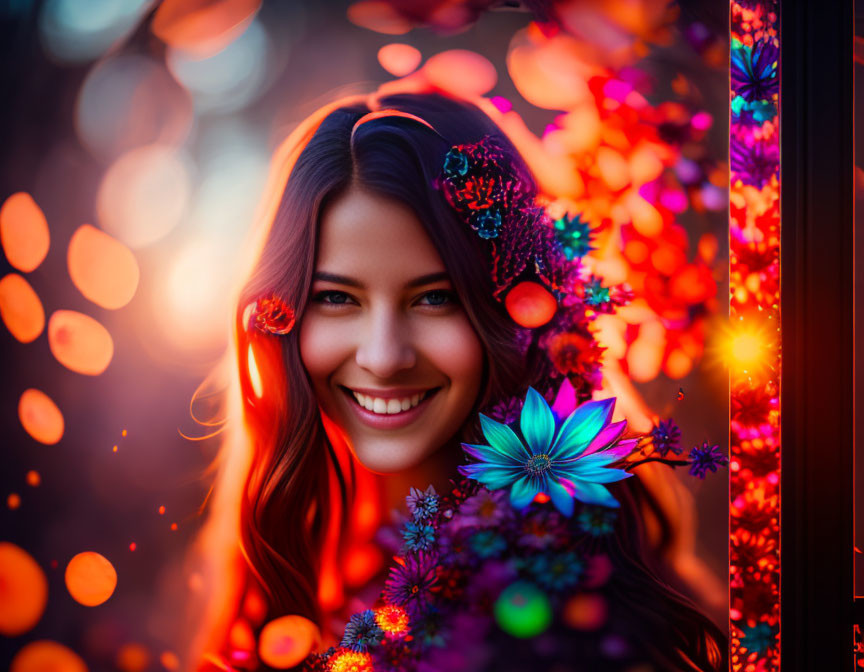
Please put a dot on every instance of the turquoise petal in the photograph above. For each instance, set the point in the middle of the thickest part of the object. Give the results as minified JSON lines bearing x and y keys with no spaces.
{"x":600,"y":475}
{"x":503,"y":439}
{"x":537,"y":422}
{"x":494,"y":477}
{"x":594,"y":493}
{"x":562,"y":499}
{"x":523,"y":493}
{"x":491,"y":455}
{"x":581,"y":427}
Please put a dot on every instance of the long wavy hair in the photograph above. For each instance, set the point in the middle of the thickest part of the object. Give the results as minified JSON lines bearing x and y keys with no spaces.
{"x":287,"y":487}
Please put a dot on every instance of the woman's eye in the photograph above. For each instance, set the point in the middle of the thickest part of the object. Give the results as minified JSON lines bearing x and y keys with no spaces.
{"x":438,"y":297}
{"x":332,"y":297}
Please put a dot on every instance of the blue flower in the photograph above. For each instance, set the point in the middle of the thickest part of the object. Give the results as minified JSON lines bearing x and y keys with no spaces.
{"x":418,"y":536}
{"x":423,"y":504}
{"x":597,"y":520}
{"x":759,"y":638}
{"x":486,"y":223}
{"x":555,"y":571}
{"x":706,"y":458}
{"x":362,"y":632}
{"x":666,"y":436}
{"x":455,"y":163}
{"x":754,"y":70}
{"x":563,"y":462}
{"x":487,"y":544}
{"x":574,"y":236}
{"x":596,"y":294}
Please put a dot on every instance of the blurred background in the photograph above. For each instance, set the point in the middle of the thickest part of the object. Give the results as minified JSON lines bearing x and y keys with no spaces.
{"x":136,"y":141}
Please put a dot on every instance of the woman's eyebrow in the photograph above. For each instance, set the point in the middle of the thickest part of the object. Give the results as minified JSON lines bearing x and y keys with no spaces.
{"x":427,"y":279}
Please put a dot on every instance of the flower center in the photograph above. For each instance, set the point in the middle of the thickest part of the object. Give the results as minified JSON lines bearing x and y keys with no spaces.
{"x":538,"y":464}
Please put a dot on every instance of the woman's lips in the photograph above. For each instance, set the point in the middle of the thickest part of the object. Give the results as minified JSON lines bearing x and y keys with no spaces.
{"x":389,"y":420}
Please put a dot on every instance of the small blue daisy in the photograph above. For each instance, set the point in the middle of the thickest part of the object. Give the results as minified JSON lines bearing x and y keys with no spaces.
{"x":418,"y":536}
{"x":362,"y":632}
{"x":423,"y":504}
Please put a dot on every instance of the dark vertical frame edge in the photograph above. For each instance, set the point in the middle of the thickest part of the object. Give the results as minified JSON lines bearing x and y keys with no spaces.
{"x":817,"y":155}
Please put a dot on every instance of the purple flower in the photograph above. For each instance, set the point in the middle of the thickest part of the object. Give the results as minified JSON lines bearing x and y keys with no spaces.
{"x":488,"y":508}
{"x":362,"y":632}
{"x":754,"y":70}
{"x":706,"y":458}
{"x":423,"y":504}
{"x":752,"y":161}
{"x":410,"y":585}
{"x":507,"y":410}
{"x":666,"y":436}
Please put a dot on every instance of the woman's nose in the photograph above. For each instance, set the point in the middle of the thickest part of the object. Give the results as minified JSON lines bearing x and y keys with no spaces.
{"x":385,"y":346}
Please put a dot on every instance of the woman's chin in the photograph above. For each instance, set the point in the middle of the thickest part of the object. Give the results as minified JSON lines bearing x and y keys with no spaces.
{"x":383,"y":456}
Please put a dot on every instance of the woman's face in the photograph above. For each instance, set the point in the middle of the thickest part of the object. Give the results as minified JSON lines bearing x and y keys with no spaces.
{"x":391,"y":354}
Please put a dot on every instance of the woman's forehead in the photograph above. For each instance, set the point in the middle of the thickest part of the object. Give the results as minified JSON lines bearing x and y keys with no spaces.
{"x":362,"y":233}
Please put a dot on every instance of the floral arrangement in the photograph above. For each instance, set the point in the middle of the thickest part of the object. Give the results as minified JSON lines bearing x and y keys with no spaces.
{"x":516,"y":550}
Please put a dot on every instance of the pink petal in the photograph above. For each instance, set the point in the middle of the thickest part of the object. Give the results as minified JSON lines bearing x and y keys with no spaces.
{"x":565,"y":400}
{"x":606,"y":437}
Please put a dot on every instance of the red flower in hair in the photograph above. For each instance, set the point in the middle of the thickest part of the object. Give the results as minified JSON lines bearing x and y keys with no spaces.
{"x":272,"y":315}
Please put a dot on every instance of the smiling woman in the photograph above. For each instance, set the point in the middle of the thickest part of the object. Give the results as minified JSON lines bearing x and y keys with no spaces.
{"x":377,"y":338}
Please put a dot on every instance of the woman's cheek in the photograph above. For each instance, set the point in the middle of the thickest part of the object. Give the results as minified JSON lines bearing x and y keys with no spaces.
{"x":455,"y":349}
{"x":323,"y":348}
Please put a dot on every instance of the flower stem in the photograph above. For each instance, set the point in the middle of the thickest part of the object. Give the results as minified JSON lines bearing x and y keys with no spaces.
{"x":671,"y":463}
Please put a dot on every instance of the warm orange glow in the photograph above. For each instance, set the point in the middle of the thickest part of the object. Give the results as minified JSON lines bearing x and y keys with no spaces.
{"x":202,"y":27}
{"x":161,"y":510}
{"x":90,"y":578}
{"x":20,"y":308}
{"x":254,"y":374}
{"x":346,"y":660}
{"x":586,"y":611}
{"x":79,"y":342}
{"x":241,"y":637}
{"x":47,"y":656}
{"x":132,"y":657}
{"x":286,"y":641}
{"x":102,"y":268}
{"x":23,"y":590}
{"x":170,"y":661}
{"x":144,"y":194}
{"x":461,"y":72}
{"x":361,"y":564}
{"x":613,"y":168}
{"x":530,"y":304}
{"x":646,"y":218}
{"x":399,"y":59}
{"x":33,"y":479}
{"x":40,"y":417}
{"x":745,"y":349}
{"x":13,"y":501}
{"x":23,"y":232}
{"x":378,"y":16}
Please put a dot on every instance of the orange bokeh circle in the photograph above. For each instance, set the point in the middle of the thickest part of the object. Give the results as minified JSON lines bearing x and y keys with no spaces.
{"x":23,"y":590}
{"x":90,"y":578}
{"x":530,"y":305}
{"x":40,"y":417}
{"x":23,"y":232}
{"x":20,"y":308}
{"x":286,"y":641}
{"x":47,"y":656}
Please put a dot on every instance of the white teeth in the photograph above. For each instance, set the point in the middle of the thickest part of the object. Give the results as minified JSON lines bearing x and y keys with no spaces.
{"x":387,"y":406}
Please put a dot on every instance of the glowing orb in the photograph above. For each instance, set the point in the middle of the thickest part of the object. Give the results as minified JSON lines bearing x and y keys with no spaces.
{"x":463,"y":72}
{"x":144,"y":194}
{"x":170,"y":660}
{"x":20,"y":308}
{"x":79,"y":342}
{"x":90,"y":578}
{"x":202,"y":27}
{"x":13,"y":501}
{"x":746,"y":348}
{"x":286,"y":641}
{"x":523,"y":610}
{"x":399,"y":59}
{"x":40,"y":417}
{"x":47,"y":656}
{"x":23,"y":232}
{"x":33,"y":479}
{"x":103,"y":269}
{"x":23,"y":590}
{"x":379,"y":16}
{"x":530,"y":305}
{"x":587,"y":611}
{"x":128,"y":101}
{"x":550,"y":73}
{"x":132,"y":657}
